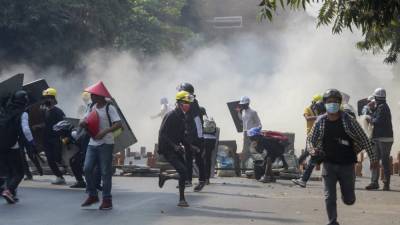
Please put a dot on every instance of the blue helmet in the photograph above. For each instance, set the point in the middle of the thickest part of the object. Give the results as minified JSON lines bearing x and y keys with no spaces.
{"x":255,"y":131}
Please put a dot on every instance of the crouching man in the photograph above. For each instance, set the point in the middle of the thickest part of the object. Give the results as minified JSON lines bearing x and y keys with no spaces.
{"x":171,"y":141}
{"x":338,"y":138}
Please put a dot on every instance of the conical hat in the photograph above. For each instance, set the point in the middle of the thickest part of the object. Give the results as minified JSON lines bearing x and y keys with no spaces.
{"x":99,"y":89}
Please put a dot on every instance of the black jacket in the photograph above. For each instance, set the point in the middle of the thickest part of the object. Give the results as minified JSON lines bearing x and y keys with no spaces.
{"x":172,"y":131}
{"x":382,"y":121}
{"x":192,"y":136}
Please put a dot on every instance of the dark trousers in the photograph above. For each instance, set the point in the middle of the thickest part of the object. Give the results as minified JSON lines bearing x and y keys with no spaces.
{"x":383,"y":150}
{"x":76,"y":163}
{"x":198,"y":157}
{"x":11,"y":169}
{"x":25,"y":164}
{"x":178,"y":162}
{"x":345,"y":175}
{"x":53,"y":154}
{"x":209,"y":146}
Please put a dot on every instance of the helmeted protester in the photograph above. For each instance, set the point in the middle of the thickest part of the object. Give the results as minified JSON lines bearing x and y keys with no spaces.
{"x":210,"y":131}
{"x":101,"y":122}
{"x":250,"y":119}
{"x":311,"y":113}
{"x":165,"y":108}
{"x":338,"y":138}
{"x":14,"y":122}
{"x":52,"y":142}
{"x":382,"y":137}
{"x":194,"y":139}
{"x":172,"y":142}
{"x":271,"y":148}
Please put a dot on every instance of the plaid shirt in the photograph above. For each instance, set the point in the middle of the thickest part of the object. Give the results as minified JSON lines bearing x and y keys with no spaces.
{"x":351,"y":127}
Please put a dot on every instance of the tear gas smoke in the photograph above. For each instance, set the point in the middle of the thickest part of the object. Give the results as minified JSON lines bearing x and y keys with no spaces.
{"x":280,"y":69}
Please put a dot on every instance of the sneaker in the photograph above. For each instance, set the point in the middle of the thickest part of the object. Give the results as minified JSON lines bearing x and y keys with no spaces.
{"x":386,"y":187}
{"x":299,"y":182}
{"x":267,"y":179}
{"x":199,"y":187}
{"x":183,"y":203}
{"x":106,"y":204}
{"x":28,"y":178}
{"x":161,"y":180}
{"x":8,"y":196}
{"x":79,"y":184}
{"x":59,"y":181}
{"x":372,"y":186}
{"x":90,"y":201}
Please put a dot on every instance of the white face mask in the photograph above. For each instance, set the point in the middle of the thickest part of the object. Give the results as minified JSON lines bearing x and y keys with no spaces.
{"x":332,"y":107}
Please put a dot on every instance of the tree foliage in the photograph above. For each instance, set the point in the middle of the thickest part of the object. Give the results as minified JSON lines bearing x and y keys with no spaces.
{"x":378,"y":20}
{"x":58,"y":32}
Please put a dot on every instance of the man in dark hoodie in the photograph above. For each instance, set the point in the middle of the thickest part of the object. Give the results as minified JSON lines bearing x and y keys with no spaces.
{"x":171,"y":142}
{"x":382,"y":137}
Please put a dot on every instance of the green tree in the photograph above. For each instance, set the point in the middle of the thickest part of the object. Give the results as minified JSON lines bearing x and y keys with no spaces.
{"x":378,"y":20}
{"x":49,"y":32}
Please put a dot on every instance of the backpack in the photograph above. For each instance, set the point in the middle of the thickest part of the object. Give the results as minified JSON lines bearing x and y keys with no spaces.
{"x":9,"y":124}
{"x":210,"y":127}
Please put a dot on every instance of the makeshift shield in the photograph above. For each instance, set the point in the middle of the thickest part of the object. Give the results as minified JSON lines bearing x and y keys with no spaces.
{"x":11,"y":85}
{"x":360,"y":105}
{"x":35,"y":90}
{"x":233,"y":109}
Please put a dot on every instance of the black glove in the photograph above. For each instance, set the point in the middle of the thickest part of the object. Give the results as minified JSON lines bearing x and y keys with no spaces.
{"x":179,"y":148}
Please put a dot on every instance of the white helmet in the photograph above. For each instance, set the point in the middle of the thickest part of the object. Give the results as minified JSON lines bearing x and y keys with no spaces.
{"x":163,"y":101}
{"x":380,"y":93}
{"x":244,"y":100}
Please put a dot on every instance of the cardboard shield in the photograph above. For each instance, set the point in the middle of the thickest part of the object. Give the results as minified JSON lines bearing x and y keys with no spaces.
{"x":127,"y":137}
{"x":360,"y":105}
{"x":232,"y":106}
{"x":11,"y":85}
{"x":35,"y":90}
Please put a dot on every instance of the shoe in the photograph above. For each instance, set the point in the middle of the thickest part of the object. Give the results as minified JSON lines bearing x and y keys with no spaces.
{"x":79,"y":184}
{"x":59,"y":181}
{"x":28,"y":178}
{"x":267,"y":179}
{"x":372,"y":186}
{"x":299,"y":182}
{"x":106,"y":204}
{"x":161,"y":180}
{"x":386,"y":186}
{"x":16,"y":199}
{"x":8,"y":196}
{"x":183,"y":203}
{"x":200,"y":186}
{"x":90,"y":201}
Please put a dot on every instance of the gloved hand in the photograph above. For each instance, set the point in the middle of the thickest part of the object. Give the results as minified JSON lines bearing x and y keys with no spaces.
{"x":179,"y":148}
{"x":31,"y":147}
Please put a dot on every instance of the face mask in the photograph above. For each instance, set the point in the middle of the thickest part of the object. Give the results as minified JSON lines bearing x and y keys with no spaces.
{"x":185,"y":107}
{"x":332,"y":107}
{"x":47,"y":103}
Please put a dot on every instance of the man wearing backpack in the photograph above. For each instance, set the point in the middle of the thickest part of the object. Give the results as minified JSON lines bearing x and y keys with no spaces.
{"x":14,"y":131}
{"x":195,"y":140}
{"x":101,"y":122}
{"x":210,"y":140}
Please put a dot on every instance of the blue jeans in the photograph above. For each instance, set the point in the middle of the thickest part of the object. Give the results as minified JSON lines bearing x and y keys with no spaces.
{"x":102,"y":157}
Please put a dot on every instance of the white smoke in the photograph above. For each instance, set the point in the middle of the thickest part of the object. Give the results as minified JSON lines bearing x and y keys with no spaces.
{"x":280,"y":69}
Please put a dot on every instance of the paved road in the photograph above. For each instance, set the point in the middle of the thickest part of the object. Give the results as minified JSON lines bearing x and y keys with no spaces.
{"x":226,"y":201}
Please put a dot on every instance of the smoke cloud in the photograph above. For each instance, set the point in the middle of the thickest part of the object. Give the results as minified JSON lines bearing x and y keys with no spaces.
{"x":280,"y":67}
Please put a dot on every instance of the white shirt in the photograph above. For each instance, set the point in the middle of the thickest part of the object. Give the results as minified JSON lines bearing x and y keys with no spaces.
{"x":26,"y":130}
{"x":105,"y":123}
{"x":250,"y":119}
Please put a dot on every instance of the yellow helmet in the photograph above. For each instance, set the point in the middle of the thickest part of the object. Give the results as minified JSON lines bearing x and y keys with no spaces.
{"x":184,"y":96}
{"x":317,"y":98}
{"x":50,"y":92}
